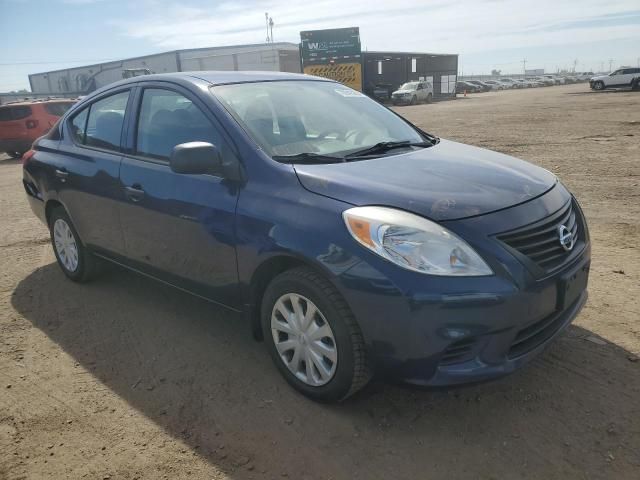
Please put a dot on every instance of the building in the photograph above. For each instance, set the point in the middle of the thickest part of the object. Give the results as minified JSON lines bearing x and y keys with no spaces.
{"x":282,"y":56}
{"x":392,"y":69}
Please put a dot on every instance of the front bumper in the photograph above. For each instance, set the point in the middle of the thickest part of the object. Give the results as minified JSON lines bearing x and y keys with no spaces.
{"x":401,"y":100}
{"x":438,"y":331}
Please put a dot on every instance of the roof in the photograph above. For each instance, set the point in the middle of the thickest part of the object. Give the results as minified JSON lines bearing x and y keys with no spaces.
{"x":31,"y":101}
{"x":275,"y":45}
{"x":389,"y":54}
{"x":226,"y":77}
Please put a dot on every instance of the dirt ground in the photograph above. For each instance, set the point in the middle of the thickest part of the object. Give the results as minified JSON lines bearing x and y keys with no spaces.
{"x":124,"y":378}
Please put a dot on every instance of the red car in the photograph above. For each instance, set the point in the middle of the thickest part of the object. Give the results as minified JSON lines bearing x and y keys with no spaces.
{"x":24,"y":121}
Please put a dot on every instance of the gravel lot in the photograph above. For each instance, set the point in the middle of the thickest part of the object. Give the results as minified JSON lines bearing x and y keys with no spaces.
{"x":124,"y":378}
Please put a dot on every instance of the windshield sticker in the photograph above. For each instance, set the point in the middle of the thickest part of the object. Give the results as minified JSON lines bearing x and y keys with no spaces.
{"x":348,"y":93}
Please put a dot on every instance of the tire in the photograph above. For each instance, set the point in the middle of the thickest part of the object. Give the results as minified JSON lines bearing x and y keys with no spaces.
{"x":599,"y":85}
{"x":84,"y":267}
{"x":414,"y":100}
{"x":15,"y":154}
{"x":429,"y":98}
{"x":350,"y":371}
{"x":635,"y":84}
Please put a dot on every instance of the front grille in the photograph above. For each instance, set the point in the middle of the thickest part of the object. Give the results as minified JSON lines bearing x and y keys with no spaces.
{"x":458,"y":352}
{"x":540,"y":242}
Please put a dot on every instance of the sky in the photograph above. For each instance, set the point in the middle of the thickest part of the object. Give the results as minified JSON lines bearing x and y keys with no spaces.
{"x":43,"y":35}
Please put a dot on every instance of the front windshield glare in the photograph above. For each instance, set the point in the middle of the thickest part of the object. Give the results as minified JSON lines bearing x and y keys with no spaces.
{"x":295,"y":117}
{"x":409,"y":86}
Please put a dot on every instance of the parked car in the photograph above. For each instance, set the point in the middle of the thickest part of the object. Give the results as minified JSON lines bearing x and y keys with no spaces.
{"x":556,"y":80}
{"x":412,"y":93}
{"x":511,"y":83}
{"x":623,"y":77}
{"x":466,"y":87}
{"x":535,"y":82}
{"x":547,"y":82}
{"x":484,"y":87}
{"x":585,"y":76}
{"x":24,"y":121}
{"x":496,"y":84}
{"x":525,"y":83}
{"x":382,"y":92}
{"x":353,"y":242}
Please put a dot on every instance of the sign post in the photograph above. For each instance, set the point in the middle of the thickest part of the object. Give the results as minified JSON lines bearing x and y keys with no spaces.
{"x":334,"y":54}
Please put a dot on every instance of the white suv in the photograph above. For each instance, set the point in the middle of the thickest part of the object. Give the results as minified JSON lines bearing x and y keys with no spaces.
{"x":624,"y":77}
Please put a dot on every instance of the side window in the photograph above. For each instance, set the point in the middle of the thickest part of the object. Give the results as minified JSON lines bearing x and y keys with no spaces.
{"x":79,"y":125}
{"x":106,"y":118}
{"x":167,"y":119}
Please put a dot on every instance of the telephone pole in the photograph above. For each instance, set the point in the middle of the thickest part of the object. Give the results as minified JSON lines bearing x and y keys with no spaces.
{"x":610,"y":64}
{"x":266,"y":19}
{"x":524,"y":67}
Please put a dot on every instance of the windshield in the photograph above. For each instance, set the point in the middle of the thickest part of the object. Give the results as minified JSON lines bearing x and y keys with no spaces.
{"x":409,"y":86}
{"x":289,"y":118}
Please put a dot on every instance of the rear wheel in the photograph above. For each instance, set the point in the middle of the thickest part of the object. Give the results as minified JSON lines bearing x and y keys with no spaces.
{"x":312,"y":336}
{"x":74,"y":259}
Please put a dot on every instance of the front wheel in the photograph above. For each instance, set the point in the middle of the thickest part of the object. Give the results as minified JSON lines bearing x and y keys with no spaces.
{"x":313,"y":337}
{"x":598,"y":85}
{"x":76,"y":262}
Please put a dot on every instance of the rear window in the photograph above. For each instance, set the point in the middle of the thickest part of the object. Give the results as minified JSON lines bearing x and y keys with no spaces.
{"x":58,"y":108}
{"x":14,"y":113}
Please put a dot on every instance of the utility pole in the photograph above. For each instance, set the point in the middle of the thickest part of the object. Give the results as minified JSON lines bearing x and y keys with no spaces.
{"x":266,"y":19}
{"x":610,"y":64}
{"x":271,"y":27}
{"x":524,"y":67}
{"x":575,"y":64}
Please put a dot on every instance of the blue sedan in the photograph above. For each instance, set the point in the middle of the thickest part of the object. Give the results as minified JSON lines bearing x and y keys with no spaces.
{"x":353,"y":242}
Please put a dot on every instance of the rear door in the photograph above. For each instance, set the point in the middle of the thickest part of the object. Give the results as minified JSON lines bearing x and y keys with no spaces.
{"x":87,"y":169}
{"x":179,"y":228}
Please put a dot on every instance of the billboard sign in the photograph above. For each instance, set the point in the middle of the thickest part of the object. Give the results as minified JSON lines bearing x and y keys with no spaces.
{"x":333,"y":53}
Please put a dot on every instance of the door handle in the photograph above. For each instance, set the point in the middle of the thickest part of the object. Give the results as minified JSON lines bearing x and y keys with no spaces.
{"x":134,"y":192}
{"x":62,"y":174}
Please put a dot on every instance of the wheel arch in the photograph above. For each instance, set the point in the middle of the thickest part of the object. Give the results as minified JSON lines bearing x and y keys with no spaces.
{"x":50,"y":206}
{"x":263,"y":275}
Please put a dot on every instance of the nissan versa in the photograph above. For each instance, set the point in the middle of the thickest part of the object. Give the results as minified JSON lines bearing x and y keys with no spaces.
{"x":355,"y":243}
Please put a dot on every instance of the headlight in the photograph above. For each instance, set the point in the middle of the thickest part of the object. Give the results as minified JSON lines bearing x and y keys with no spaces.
{"x":413,"y":242}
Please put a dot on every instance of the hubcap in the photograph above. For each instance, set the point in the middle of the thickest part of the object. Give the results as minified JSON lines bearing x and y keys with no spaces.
{"x":66,"y":246}
{"x":304,"y":340}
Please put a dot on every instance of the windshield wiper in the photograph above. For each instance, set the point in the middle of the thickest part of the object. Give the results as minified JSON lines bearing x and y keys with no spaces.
{"x":383,"y":147}
{"x":307,"y":157}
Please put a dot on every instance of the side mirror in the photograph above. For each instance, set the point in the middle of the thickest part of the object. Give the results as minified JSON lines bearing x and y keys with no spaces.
{"x":196,"y":158}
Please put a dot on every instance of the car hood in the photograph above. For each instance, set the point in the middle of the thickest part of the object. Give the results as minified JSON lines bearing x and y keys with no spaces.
{"x":404,"y":91}
{"x":598,"y":77}
{"x":445,"y":182}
